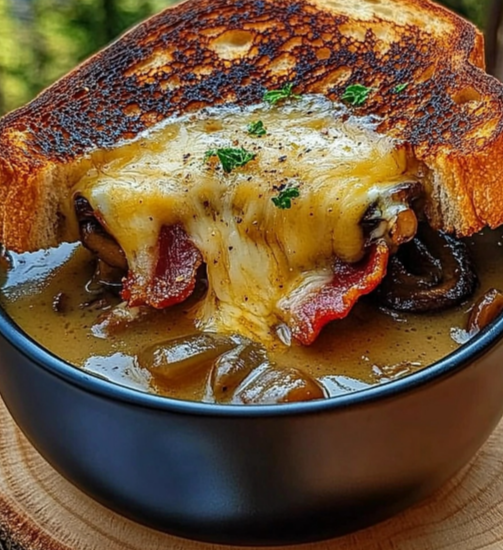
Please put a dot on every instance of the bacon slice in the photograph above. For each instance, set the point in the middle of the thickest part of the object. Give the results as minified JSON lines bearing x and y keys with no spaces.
{"x":174,"y":277}
{"x":336,"y":299}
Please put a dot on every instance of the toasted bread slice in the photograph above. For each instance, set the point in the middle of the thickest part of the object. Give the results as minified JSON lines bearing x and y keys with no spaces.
{"x":424,"y":64}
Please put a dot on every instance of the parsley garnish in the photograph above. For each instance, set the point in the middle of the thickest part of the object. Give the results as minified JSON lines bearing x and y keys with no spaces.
{"x":356,"y":94}
{"x":257,"y":128}
{"x":275,"y":96}
{"x":230,"y":158}
{"x":284,"y":199}
{"x":400,"y":88}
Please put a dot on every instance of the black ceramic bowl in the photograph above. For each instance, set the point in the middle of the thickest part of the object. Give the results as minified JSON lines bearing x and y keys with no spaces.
{"x":262,"y":474}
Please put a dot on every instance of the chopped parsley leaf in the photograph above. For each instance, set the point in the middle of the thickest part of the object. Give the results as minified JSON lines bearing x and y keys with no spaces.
{"x":275,"y":96}
{"x":230,"y":158}
{"x":257,"y":128}
{"x":284,"y":199}
{"x":400,"y":88}
{"x":356,"y":94}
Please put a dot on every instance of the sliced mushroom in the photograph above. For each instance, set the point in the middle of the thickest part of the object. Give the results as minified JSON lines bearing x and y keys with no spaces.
{"x":393,"y":216}
{"x":278,"y":385}
{"x":106,"y":248}
{"x":404,"y":228}
{"x":95,"y":238}
{"x":485,"y":311}
{"x":432,"y":272}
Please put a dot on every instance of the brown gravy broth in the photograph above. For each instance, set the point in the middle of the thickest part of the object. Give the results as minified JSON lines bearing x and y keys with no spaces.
{"x":45,"y":293}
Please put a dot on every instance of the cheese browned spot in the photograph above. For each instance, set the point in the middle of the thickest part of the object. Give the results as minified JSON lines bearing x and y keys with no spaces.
{"x":257,"y":255}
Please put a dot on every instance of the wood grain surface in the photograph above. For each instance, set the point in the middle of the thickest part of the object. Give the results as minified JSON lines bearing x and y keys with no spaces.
{"x":39,"y":510}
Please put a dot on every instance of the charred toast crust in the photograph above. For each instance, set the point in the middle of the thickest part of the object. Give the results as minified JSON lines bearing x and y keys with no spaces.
{"x":170,"y":64}
{"x":210,"y":52}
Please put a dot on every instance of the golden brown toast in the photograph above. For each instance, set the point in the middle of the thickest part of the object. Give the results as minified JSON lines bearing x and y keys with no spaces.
{"x":212,"y":52}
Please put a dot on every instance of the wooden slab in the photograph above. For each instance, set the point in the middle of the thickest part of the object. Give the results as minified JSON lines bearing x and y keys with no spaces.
{"x":39,"y":510}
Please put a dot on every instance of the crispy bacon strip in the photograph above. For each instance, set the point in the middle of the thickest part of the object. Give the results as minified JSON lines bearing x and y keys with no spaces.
{"x":174,"y":276}
{"x":336,"y":299}
{"x":174,"y":279}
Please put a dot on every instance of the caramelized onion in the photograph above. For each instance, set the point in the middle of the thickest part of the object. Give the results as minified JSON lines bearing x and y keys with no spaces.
{"x":278,"y":385}
{"x":238,"y":372}
{"x":180,"y":359}
{"x":485,"y":311}
{"x":432,"y":272}
{"x":231,"y":368}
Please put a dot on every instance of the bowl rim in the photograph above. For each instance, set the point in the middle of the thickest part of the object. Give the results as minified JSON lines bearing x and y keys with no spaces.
{"x":458,"y":360}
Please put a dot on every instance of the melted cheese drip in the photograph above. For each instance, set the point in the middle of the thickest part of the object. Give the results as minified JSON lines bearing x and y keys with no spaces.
{"x":256,"y":254}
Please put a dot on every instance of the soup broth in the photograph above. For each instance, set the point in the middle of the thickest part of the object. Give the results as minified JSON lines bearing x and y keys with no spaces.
{"x":49,"y":296}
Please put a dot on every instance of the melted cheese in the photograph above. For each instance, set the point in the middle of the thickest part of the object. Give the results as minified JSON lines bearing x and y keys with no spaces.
{"x":256,"y":254}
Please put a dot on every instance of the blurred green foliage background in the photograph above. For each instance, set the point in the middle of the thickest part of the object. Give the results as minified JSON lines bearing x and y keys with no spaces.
{"x":40,"y":40}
